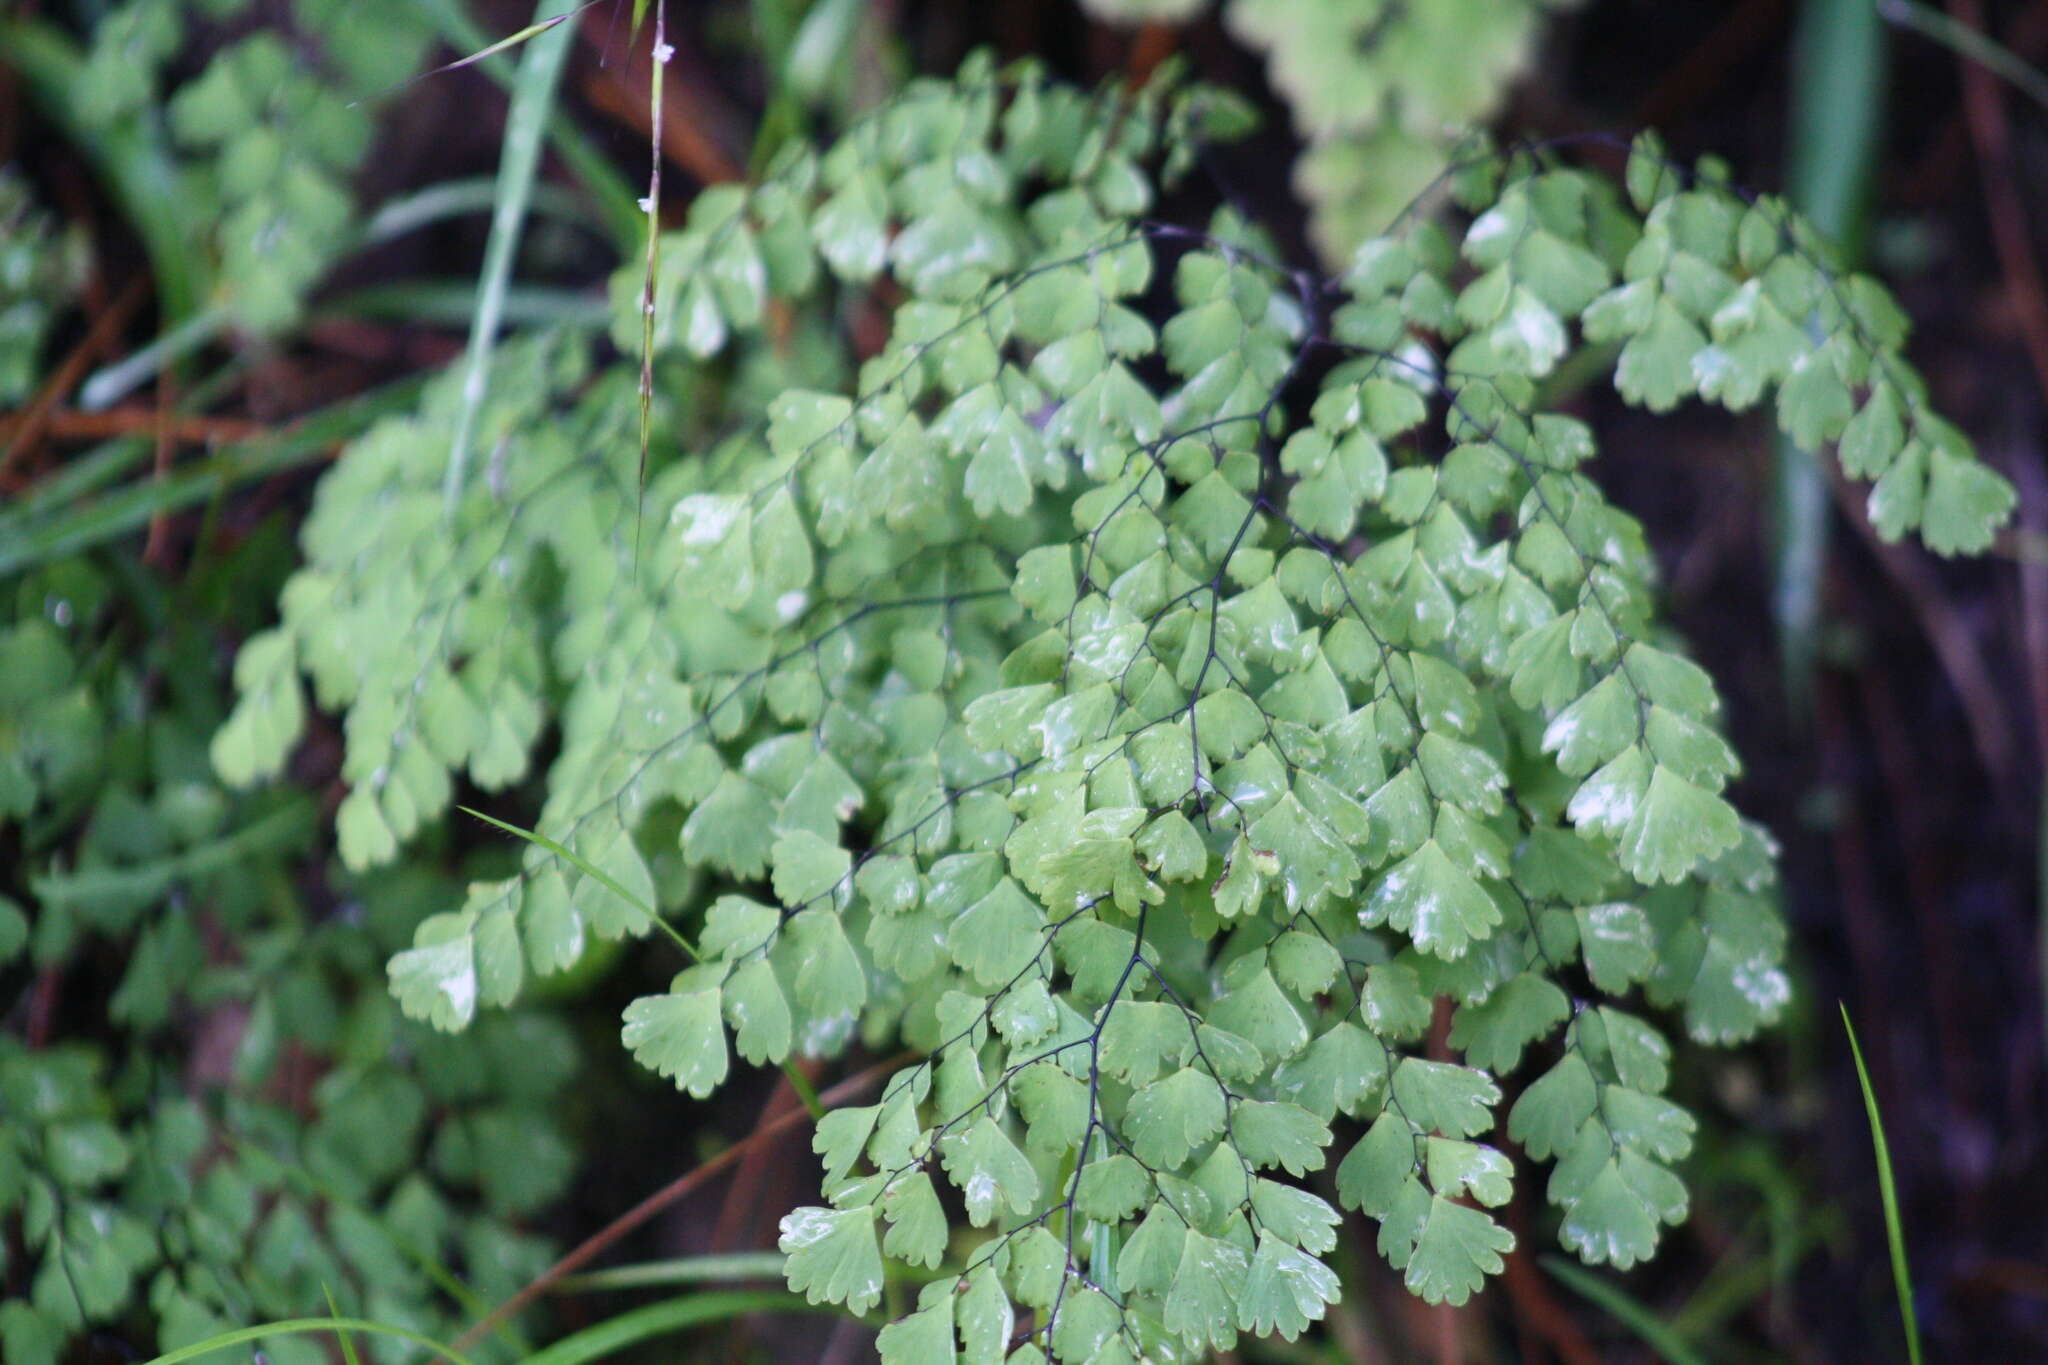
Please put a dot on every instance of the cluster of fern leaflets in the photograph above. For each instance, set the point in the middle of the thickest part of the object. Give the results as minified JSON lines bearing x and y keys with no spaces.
{"x":313,"y":1143}
{"x":1381,"y":91}
{"x":41,"y":268}
{"x":1152,"y":685}
{"x":266,"y":135}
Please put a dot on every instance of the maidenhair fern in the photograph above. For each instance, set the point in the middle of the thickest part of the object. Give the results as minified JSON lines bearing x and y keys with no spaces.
{"x":1381,"y":91}
{"x":1151,"y":684}
{"x":41,"y":268}
{"x":267,"y":137}
{"x":312,"y":1142}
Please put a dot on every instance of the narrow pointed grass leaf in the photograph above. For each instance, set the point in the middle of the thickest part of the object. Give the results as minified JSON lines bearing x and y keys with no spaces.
{"x":488,"y":50}
{"x":281,"y":828}
{"x":594,"y":872}
{"x":288,"y":1327}
{"x":660,"y":1319}
{"x":452,"y":303}
{"x":348,"y":1343}
{"x":722,"y":1266}
{"x":533,"y":30}
{"x":1888,"y":1193}
{"x":105,"y":387}
{"x":454,"y":198}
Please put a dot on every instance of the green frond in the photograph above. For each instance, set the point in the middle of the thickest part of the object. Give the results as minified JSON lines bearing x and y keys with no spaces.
{"x":1144,"y":685}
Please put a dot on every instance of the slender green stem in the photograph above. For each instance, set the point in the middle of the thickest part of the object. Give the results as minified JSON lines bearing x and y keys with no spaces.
{"x":657,"y":69}
{"x":279,"y":829}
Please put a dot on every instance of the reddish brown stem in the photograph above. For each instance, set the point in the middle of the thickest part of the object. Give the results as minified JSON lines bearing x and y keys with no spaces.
{"x":26,"y":429}
{"x":738,"y":1215}
{"x":668,"y":1194}
{"x":134,"y":421}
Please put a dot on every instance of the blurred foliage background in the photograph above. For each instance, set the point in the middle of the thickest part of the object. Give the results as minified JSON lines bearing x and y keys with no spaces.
{"x":231,"y":234}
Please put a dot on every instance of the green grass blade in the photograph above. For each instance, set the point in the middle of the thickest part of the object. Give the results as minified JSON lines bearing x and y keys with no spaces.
{"x":723,"y":1266}
{"x":1888,"y":1193}
{"x":660,"y":1319}
{"x":533,"y":96}
{"x":484,"y":53}
{"x":458,"y":198}
{"x":533,"y":30}
{"x":1624,"y":1309}
{"x":805,"y":1091}
{"x":592,"y":871}
{"x":1837,"y":104}
{"x":289,"y":1327}
{"x":1931,"y":23}
{"x":453,"y":303}
{"x":88,"y":471}
{"x":82,"y":475}
{"x":348,"y":1343}
{"x":110,"y":384}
